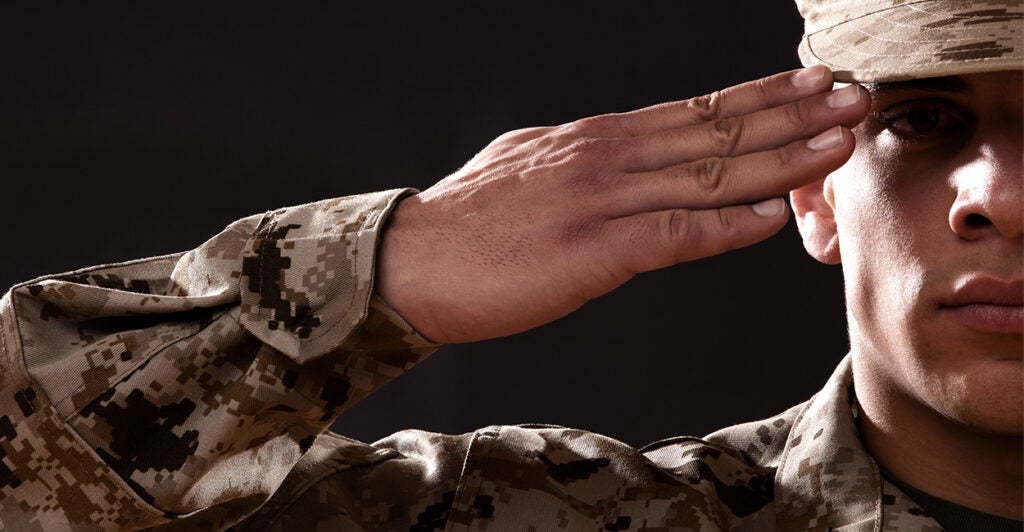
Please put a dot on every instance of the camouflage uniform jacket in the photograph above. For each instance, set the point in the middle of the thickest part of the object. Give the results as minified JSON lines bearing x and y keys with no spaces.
{"x":193,"y":391}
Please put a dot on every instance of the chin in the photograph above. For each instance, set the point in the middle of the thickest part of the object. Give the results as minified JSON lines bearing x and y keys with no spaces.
{"x":974,"y":379}
{"x":992,"y":400}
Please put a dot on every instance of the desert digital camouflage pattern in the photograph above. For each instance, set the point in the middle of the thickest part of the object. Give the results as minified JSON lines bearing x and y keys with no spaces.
{"x":802,"y":470}
{"x":185,"y":388}
{"x":193,"y":392}
{"x":893,"y":40}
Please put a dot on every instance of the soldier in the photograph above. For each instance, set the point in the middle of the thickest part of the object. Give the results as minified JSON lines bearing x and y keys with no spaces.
{"x":194,"y":390}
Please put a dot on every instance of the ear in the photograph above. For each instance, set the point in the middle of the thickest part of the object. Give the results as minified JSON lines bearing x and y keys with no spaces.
{"x":814,"y":207}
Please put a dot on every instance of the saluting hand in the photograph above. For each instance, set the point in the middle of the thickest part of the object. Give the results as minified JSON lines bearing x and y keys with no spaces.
{"x":545,"y":219}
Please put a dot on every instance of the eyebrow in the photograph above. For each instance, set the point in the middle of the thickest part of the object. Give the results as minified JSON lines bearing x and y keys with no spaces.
{"x":943,"y":84}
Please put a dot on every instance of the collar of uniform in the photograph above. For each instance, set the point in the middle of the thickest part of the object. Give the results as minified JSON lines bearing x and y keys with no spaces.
{"x":826,"y":478}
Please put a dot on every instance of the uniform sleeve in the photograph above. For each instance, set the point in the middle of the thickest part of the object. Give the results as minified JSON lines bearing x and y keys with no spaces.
{"x":526,"y":477}
{"x":188,"y":386}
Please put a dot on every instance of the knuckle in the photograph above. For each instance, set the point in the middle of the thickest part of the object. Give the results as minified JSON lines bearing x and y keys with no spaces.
{"x":626,"y":124}
{"x":795,"y":114}
{"x":575,"y":129}
{"x":516,"y":135}
{"x":616,"y":124}
{"x":706,"y":107}
{"x":725,"y":221}
{"x":710,"y":175}
{"x":510,"y":140}
{"x":504,"y":137}
{"x":511,"y":135}
{"x":593,"y":150}
{"x":585,"y":147}
{"x":716,"y":230}
{"x":590,"y":124}
{"x":763,"y":88}
{"x":678,"y":226}
{"x":783,"y":156}
{"x":726,"y":133}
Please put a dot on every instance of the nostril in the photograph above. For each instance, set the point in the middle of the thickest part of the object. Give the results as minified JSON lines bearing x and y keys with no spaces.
{"x":977,"y":220}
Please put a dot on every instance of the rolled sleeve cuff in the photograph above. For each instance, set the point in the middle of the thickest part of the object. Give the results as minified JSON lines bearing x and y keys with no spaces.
{"x":307,"y":272}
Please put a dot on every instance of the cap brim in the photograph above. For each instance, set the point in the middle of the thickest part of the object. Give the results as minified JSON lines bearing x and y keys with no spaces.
{"x":920,"y":40}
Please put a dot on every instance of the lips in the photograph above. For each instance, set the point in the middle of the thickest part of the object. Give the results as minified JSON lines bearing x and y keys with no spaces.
{"x":988,"y":304}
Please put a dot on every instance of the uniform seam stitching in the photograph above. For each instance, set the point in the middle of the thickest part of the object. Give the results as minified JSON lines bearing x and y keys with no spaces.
{"x":313,"y":402}
{"x":465,"y":487}
{"x":890,"y":8}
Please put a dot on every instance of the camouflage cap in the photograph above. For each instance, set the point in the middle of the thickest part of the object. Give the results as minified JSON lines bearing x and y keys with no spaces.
{"x":893,"y":40}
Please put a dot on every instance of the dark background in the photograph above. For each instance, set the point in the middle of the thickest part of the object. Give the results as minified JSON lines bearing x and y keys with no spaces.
{"x":129,"y":130}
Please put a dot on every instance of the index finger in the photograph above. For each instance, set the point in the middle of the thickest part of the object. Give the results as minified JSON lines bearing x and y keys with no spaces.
{"x":764,"y":93}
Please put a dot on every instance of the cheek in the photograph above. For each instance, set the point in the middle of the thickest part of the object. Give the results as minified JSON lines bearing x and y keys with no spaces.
{"x":879,"y":244}
{"x":888,"y":205}
{"x":872,"y":218}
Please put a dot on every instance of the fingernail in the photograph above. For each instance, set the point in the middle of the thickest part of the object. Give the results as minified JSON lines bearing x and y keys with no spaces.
{"x":844,"y":97}
{"x":827,"y":140}
{"x":808,"y":77}
{"x":769,"y":207}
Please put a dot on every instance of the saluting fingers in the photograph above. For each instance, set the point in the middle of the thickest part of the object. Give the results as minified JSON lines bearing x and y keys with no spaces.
{"x":721,"y":181}
{"x":758,"y":131}
{"x":745,"y":98}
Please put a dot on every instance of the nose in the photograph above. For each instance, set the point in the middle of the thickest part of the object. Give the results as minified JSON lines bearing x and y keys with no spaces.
{"x":990,"y":190}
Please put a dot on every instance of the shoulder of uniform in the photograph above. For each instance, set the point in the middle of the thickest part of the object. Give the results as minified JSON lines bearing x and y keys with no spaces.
{"x":761,"y":442}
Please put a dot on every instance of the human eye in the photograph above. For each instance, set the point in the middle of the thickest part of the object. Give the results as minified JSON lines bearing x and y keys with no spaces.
{"x":923,"y":120}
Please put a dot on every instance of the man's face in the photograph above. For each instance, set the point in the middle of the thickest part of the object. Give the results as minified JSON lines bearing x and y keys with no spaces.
{"x":928,"y":215}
